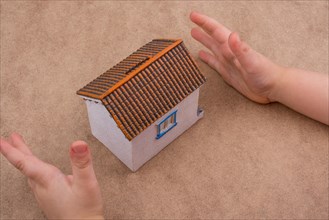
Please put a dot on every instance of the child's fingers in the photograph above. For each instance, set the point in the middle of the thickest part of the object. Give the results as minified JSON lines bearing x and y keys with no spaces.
{"x":212,"y":61}
{"x":17,"y":141}
{"x":82,"y":167}
{"x":218,"y":31}
{"x":29,"y":165}
{"x":246,"y":56}
{"x":222,"y":51}
{"x":208,"y":58}
{"x":70,"y":179}
{"x":14,"y":156}
{"x":205,"y":39}
{"x":32,"y":184}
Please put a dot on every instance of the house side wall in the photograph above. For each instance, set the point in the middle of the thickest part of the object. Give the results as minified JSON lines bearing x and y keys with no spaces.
{"x":105,"y":129}
{"x":145,"y":145}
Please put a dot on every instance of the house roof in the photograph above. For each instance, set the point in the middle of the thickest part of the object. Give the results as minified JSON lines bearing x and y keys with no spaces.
{"x":146,"y":85}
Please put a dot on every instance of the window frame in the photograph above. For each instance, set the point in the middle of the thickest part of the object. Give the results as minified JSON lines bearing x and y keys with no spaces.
{"x":171,"y":125}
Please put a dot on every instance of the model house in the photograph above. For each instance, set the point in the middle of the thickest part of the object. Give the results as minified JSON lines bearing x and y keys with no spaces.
{"x":143,"y":103}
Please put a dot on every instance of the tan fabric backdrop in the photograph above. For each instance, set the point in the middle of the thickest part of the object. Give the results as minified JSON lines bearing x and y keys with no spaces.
{"x":242,"y":160}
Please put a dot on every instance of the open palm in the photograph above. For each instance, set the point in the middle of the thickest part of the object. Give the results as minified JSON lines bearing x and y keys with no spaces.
{"x":249,"y":72}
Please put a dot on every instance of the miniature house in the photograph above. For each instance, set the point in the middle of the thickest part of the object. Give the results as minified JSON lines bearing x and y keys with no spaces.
{"x":143,"y":103}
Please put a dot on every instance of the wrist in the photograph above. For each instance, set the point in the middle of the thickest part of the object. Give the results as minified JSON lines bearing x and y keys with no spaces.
{"x":275,"y":93}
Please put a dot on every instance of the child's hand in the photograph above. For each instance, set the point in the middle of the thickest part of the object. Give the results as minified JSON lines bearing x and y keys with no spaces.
{"x":249,"y":72}
{"x":75,"y":196}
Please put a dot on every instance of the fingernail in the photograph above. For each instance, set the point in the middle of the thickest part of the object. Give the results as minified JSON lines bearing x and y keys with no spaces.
{"x":79,"y":149}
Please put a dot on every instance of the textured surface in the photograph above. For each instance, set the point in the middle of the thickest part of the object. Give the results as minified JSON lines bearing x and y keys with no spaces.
{"x":242,"y":160}
{"x":154,"y":91}
{"x":99,"y":86}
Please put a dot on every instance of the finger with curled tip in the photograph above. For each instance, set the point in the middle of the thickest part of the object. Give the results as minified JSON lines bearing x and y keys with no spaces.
{"x":17,"y":141}
{"x":227,"y":53}
{"x":246,"y":56}
{"x":29,"y":165}
{"x":216,"y":30}
{"x":205,"y":39}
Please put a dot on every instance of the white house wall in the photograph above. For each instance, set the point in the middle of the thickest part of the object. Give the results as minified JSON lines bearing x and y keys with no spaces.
{"x":105,"y":129}
{"x":145,"y":145}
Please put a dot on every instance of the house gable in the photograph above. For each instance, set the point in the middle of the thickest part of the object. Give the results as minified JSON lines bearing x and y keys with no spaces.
{"x":104,"y":128}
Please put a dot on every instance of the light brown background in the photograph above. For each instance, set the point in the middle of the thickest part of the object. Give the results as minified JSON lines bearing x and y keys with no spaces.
{"x":242,"y":160}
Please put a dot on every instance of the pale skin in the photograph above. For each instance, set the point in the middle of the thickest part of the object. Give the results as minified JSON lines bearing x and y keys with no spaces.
{"x":78,"y":196}
{"x":257,"y":77}
{"x":60,"y":196}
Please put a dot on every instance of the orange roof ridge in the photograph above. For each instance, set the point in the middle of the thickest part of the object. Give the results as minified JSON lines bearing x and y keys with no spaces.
{"x":137,"y":70}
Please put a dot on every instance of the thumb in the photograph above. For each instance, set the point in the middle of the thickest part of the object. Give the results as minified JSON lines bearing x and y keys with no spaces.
{"x":247,"y":57}
{"x":82,"y":168}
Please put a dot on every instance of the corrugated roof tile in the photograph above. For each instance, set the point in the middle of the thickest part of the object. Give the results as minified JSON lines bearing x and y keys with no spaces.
{"x":146,"y":85}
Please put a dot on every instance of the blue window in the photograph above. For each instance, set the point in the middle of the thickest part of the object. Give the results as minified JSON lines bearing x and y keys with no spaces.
{"x":166,"y":124}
